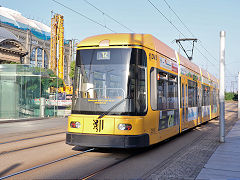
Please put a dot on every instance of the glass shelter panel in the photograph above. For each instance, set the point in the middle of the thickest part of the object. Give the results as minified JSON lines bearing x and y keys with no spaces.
{"x":19,"y":86}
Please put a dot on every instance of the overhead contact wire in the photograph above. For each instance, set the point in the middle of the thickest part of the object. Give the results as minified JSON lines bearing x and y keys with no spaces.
{"x":166,"y":18}
{"x":84,"y":16}
{"x":188,"y":29}
{"x":177,"y":29}
{"x":108,"y":16}
{"x":179,"y":18}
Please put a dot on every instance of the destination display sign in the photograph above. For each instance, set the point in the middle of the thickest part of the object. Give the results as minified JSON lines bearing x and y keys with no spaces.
{"x":103,"y":55}
{"x":164,"y":62}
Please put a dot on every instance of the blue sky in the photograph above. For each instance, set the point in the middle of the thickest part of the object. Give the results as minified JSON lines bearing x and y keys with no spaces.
{"x":204,"y":18}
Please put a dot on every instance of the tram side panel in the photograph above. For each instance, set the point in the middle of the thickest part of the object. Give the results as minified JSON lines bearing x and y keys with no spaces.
{"x":190,"y":109}
{"x":163,"y":97}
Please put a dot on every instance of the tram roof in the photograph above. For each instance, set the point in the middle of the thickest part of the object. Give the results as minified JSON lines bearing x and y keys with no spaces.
{"x":204,"y":73}
{"x":145,"y":40}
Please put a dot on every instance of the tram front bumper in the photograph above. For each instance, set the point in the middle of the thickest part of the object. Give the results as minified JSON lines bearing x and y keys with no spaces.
{"x":107,"y":141}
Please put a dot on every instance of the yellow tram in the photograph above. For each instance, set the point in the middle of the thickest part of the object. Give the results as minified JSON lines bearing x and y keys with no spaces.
{"x":132,"y":90}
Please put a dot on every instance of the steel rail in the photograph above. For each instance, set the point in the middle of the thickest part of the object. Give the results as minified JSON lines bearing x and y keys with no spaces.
{"x":45,"y":164}
{"x":107,"y":167}
{"x":24,"y":139}
{"x":30,"y":147}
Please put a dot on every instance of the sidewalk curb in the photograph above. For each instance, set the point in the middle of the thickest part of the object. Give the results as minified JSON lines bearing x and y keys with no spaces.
{"x":26,"y":119}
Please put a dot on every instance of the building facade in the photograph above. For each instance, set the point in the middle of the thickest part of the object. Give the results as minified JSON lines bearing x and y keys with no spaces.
{"x":33,"y":38}
{"x":11,"y":50}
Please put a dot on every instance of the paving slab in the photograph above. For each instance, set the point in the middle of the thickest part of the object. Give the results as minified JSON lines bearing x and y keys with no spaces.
{"x":229,"y":165}
{"x":227,"y":150}
{"x":225,"y":156}
{"x":214,"y":174}
{"x":225,"y":161}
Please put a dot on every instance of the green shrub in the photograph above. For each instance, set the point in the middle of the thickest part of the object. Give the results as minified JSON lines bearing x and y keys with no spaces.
{"x":231,"y":96}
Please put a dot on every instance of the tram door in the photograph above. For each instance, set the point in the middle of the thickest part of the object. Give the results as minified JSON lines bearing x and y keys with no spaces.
{"x":184,"y":101}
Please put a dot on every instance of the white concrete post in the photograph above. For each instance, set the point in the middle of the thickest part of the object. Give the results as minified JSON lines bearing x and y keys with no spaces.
{"x":222,"y":87}
{"x":42,"y":107}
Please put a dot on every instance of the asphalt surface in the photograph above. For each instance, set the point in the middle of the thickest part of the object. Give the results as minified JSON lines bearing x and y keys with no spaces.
{"x":24,"y":145}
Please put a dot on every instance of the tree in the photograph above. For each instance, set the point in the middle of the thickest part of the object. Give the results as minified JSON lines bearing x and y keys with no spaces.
{"x":231,"y":96}
{"x":48,"y":79}
{"x":72,"y":71}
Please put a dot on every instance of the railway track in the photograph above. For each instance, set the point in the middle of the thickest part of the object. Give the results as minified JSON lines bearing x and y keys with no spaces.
{"x":32,"y":142}
{"x":131,"y":153}
{"x":103,"y":169}
{"x":22,"y":144}
{"x":30,"y":147}
{"x":45,"y":164}
{"x":24,"y":139}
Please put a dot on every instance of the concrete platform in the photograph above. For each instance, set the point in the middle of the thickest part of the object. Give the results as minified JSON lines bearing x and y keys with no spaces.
{"x":225,"y":161}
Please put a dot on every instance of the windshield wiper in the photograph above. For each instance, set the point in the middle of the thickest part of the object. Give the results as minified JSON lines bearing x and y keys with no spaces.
{"x":113,"y":107}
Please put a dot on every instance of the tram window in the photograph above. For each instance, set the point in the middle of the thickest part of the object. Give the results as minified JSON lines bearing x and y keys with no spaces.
{"x":214,"y":96}
{"x":208,"y":95}
{"x":205,"y":95}
{"x":217,"y":96}
{"x":192,"y":93}
{"x":211,"y":97}
{"x":163,"y":90}
{"x":162,"y":94}
{"x":141,"y":89}
{"x":182,"y":101}
{"x":172,"y":92}
{"x":153,"y":85}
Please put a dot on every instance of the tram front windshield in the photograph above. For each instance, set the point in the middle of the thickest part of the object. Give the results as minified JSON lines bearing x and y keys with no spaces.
{"x":111,"y":81}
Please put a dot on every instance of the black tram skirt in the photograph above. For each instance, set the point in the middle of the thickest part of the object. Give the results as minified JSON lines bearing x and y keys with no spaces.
{"x":107,"y":141}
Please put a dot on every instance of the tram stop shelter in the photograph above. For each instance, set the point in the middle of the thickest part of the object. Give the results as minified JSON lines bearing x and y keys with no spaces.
{"x":19,"y":86}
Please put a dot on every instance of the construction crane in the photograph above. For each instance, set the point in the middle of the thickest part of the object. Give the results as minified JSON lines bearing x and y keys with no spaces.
{"x":57,"y":45}
{"x":57,"y":50}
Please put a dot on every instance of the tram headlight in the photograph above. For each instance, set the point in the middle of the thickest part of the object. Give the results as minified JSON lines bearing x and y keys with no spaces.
{"x":74,"y":124}
{"x":124,"y":126}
